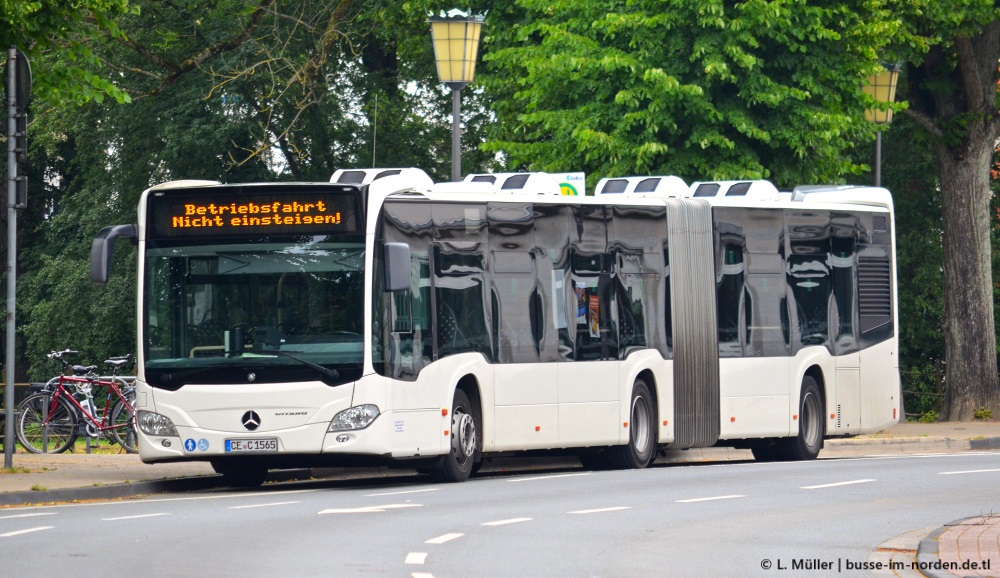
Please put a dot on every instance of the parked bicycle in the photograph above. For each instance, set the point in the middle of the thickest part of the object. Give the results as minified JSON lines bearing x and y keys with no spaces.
{"x":50,"y":420}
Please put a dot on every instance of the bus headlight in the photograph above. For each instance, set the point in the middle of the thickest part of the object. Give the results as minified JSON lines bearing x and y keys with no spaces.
{"x":155,"y":424}
{"x":357,"y":417}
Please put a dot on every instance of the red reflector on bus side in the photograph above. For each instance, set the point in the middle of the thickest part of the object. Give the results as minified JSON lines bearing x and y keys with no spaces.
{"x":445,"y":432}
{"x":626,"y":424}
{"x":732,"y":419}
{"x":796,"y":416}
{"x":893,"y":413}
{"x":665,"y":422}
{"x":538,"y":428}
{"x":444,"y":411}
{"x":833,"y":415}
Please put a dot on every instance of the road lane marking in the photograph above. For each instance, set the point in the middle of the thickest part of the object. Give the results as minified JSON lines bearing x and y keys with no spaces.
{"x":967,"y":472}
{"x":262,"y":505}
{"x":134,"y":517}
{"x":415,"y":558}
{"x":835,"y":484}
{"x":505,"y":522}
{"x":421,"y":575}
{"x":599,"y":510}
{"x":403,"y":492}
{"x":28,"y":515}
{"x":368,"y":509}
{"x":28,"y":531}
{"x":532,"y":479}
{"x":444,"y":538}
{"x":693,"y":500}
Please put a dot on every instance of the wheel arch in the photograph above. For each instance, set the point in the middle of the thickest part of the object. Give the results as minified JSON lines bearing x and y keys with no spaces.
{"x":816,"y":372}
{"x":469,"y":384}
{"x":650,"y":379}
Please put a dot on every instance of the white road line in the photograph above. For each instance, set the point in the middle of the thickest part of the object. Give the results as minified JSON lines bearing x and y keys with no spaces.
{"x":835,"y":484}
{"x":693,"y":500}
{"x":28,"y":515}
{"x":444,"y":538}
{"x":134,"y":517}
{"x":599,"y":510}
{"x":967,"y":472}
{"x":421,"y":575}
{"x":505,"y":522}
{"x":28,"y":531}
{"x":404,"y":492}
{"x":548,"y":477}
{"x":262,"y":505}
{"x":368,"y":509}
{"x":415,"y":558}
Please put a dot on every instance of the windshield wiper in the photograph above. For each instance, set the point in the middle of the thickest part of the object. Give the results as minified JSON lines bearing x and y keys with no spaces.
{"x":331,"y":373}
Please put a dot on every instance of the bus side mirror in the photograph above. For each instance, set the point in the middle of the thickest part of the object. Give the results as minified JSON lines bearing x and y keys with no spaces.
{"x":397,"y":267}
{"x":100,"y":250}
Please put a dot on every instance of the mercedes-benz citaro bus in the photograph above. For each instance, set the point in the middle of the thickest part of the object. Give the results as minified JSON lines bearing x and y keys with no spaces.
{"x":385,"y":319}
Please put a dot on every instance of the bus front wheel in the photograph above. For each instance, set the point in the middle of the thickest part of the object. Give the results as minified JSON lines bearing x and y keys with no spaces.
{"x":458,"y":464}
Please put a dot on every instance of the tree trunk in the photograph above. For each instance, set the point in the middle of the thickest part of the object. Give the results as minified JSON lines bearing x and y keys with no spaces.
{"x":971,"y":374}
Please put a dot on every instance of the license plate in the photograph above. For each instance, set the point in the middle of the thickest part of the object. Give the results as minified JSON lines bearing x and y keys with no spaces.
{"x":251,"y":446}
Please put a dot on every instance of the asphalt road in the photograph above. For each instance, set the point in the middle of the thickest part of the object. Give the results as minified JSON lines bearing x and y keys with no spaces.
{"x":732,"y":519}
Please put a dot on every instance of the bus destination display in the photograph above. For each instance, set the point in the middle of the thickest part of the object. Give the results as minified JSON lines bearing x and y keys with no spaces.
{"x":223,"y":213}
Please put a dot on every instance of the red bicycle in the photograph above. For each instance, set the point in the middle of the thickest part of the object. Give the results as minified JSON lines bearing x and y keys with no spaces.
{"x":50,"y":420}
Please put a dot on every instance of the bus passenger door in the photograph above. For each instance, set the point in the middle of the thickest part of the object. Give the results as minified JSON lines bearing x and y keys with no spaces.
{"x":589,"y":392}
{"x":526,"y":409}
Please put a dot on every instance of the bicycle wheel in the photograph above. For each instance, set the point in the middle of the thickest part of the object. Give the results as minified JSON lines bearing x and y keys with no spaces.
{"x":123,"y":421}
{"x":38,"y":436}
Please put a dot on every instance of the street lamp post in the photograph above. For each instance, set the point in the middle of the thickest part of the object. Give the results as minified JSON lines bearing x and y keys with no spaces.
{"x":882,"y":87}
{"x":456,"y":40}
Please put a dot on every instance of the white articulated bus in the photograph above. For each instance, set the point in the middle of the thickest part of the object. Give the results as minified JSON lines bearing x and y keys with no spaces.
{"x":383,"y":319}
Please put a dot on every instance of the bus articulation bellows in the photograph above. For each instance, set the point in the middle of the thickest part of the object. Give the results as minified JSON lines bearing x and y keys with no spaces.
{"x":385,"y":319}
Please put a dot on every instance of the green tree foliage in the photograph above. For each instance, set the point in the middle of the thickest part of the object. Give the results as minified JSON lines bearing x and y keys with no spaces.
{"x":228,"y":90}
{"x":57,"y":37}
{"x":701,"y":89}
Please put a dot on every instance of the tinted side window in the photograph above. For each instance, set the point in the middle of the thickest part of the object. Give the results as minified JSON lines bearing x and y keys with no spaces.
{"x":766,"y":313}
{"x":640,"y":235}
{"x":462,"y":323}
{"x":405,"y":334}
{"x":556,"y":299}
{"x":808,"y":273}
{"x":595,"y":329}
{"x":730,"y":272}
{"x":844,"y":229}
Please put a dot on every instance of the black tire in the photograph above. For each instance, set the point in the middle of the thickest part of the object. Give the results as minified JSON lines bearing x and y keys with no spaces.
{"x":457,"y":465}
{"x":641,"y":447}
{"x":240,"y":474}
{"x":124,"y":432}
{"x":812,"y":425}
{"x":53,"y":437}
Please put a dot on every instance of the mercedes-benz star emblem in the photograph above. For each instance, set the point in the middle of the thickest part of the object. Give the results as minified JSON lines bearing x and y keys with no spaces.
{"x":251,"y":420}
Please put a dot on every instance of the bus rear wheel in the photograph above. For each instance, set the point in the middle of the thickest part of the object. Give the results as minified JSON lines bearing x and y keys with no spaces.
{"x":641,"y":447}
{"x":457,"y":466}
{"x":809,"y":441}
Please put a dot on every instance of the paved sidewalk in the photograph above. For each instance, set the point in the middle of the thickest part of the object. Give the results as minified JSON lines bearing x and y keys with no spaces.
{"x":969,"y":547}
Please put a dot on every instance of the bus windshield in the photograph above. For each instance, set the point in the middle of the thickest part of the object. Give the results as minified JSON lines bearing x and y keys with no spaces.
{"x":215,"y":310}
